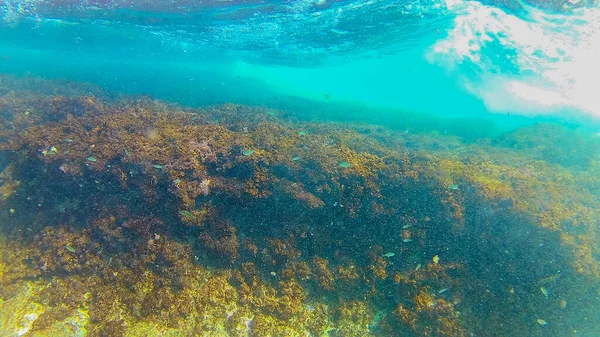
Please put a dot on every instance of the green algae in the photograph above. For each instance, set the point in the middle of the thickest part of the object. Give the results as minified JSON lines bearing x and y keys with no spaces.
{"x":187,"y":214}
{"x":20,"y":311}
{"x":74,"y":325}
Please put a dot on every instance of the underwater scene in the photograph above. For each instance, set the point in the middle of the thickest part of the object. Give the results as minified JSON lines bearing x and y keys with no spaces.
{"x":300,"y":168}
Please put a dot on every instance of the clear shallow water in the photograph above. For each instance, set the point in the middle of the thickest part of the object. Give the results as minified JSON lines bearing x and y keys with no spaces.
{"x":444,"y":57}
{"x":472,"y":208}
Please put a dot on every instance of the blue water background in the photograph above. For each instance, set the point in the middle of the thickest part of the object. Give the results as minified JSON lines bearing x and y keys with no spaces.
{"x":379,"y":57}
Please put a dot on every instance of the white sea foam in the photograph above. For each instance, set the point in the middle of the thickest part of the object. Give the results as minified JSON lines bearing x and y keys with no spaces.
{"x":532,"y":64}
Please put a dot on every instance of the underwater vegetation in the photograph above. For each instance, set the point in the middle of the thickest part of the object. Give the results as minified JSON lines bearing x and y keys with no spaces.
{"x":127,"y":216}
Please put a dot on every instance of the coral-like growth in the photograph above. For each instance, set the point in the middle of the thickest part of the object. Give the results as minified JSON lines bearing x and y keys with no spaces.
{"x":136,"y":217}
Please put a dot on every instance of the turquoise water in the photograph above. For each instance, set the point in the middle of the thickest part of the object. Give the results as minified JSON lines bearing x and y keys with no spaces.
{"x":449,"y":58}
{"x":479,"y":119}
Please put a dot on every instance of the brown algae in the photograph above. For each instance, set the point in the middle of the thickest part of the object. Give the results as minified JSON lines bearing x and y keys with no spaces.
{"x":216,"y":244}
